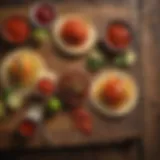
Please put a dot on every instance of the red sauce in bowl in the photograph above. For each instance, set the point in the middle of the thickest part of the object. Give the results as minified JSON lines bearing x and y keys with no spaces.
{"x":44,"y":14}
{"x":16,"y":29}
{"x":74,"y":32}
{"x":118,"y":36}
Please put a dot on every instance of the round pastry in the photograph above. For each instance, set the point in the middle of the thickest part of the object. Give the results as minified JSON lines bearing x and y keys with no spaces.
{"x":114,"y":93}
{"x":73,"y":88}
{"x":21,"y":69}
{"x":73,"y":34}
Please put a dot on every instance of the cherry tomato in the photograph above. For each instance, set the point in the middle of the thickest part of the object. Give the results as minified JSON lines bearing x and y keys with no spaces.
{"x":27,"y":128}
{"x":46,"y":86}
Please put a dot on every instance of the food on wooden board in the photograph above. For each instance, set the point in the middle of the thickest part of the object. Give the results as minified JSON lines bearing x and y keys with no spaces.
{"x":40,"y":35}
{"x":21,"y":68}
{"x":82,"y":120}
{"x":42,"y":14}
{"x":74,"y":34}
{"x":95,"y":61}
{"x":114,"y":93}
{"x":33,"y":117}
{"x":73,"y":88}
{"x":118,"y":36}
{"x":15,"y":29}
{"x":125,"y":60}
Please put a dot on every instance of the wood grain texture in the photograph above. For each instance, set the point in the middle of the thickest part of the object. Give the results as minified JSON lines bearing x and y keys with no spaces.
{"x":60,"y":132}
{"x":150,"y":52}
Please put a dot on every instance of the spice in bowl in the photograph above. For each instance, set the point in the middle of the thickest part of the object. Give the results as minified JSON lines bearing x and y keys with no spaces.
{"x":42,"y":14}
{"x":15,"y":30}
{"x":118,"y":36}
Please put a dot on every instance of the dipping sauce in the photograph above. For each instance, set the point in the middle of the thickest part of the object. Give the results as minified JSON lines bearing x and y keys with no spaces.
{"x":74,"y":32}
{"x":118,"y":36}
{"x":16,"y":29}
{"x":44,"y":13}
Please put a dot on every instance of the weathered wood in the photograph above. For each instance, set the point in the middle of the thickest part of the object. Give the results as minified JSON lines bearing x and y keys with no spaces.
{"x":150,"y":51}
{"x":104,"y":130}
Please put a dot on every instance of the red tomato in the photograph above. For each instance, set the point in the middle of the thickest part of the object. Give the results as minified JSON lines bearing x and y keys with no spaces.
{"x":118,"y":35}
{"x":27,"y":128}
{"x":74,"y":32}
{"x":82,"y":120}
{"x":46,"y":86}
{"x":16,"y":29}
{"x":114,"y":92}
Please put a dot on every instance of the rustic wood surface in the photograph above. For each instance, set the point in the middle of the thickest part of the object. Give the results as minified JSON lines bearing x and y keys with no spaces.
{"x":149,"y":43}
{"x":104,"y":130}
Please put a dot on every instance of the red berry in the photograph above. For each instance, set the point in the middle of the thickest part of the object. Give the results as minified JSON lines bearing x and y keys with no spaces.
{"x":27,"y":128}
{"x":46,"y":86}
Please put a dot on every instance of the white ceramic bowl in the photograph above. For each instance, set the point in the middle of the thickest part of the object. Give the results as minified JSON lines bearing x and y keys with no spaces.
{"x":71,"y":50}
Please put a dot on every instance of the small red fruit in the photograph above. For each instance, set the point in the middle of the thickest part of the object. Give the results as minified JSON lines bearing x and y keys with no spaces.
{"x":46,"y":86}
{"x":27,"y":128}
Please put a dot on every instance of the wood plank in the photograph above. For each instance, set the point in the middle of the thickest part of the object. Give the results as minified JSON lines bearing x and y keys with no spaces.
{"x":105,"y":130}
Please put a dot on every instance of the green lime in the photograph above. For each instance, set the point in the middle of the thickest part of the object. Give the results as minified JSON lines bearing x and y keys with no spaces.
{"x":54,"y":104}
{"x":40,"y":35}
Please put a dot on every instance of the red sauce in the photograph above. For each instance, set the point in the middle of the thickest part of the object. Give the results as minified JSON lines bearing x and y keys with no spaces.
{"x":16,"y":29}
{"x":27,"y":128}
{"x":44,"y":14}
{"x":46,"y":86}
{"x":74,"y":32}
{"x":118,"y":35}
{"x":114,"y":92}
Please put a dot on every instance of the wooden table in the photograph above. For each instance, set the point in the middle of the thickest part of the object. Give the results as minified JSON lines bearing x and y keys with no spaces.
{"x":148,"y":42}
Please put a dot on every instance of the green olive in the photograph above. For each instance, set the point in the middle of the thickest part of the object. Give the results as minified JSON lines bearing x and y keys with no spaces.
{"x":54,"y":105}
{"x":40,"y":35}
